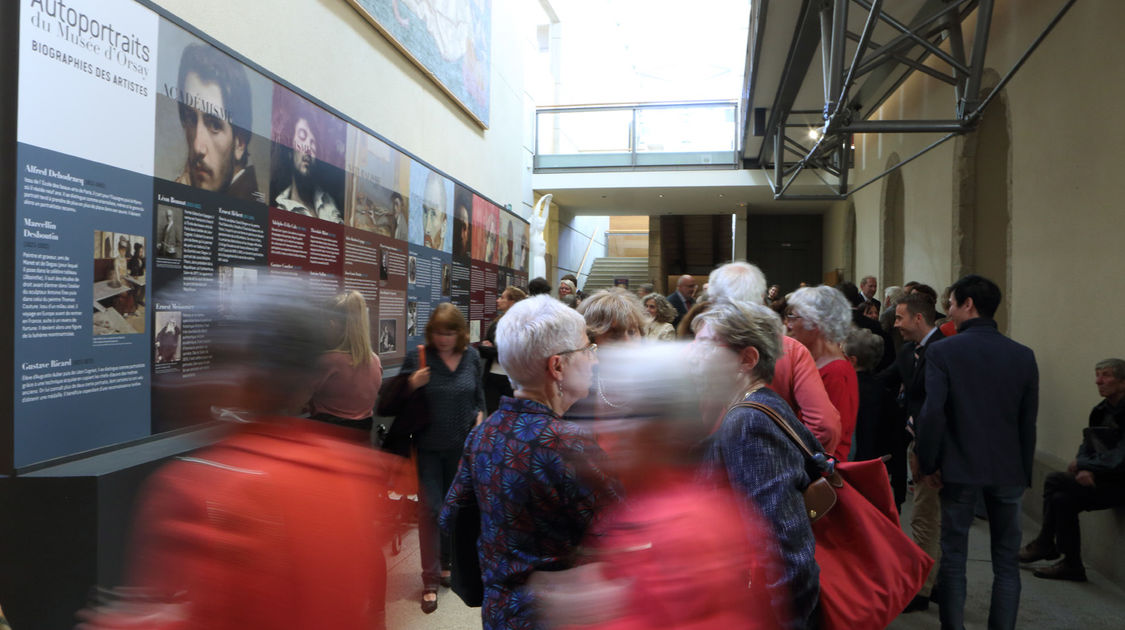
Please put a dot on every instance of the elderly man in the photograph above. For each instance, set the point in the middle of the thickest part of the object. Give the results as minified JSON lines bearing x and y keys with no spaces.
{"x":683,"y":298}
{"x":1094,"y":480}
{"x":867,"y":287}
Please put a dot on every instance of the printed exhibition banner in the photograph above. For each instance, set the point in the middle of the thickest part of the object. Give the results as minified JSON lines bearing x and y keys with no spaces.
{"x":159,"y":178}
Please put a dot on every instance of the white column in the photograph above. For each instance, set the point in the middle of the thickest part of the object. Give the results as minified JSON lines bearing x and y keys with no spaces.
{"x":739,"y":233}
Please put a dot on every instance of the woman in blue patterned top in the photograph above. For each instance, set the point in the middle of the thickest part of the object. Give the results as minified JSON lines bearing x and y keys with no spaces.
{"x":538,"y":480}
{"x":754,"y":454}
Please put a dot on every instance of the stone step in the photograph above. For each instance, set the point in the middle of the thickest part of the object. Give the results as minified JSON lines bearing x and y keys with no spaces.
{"x":604,"y":270}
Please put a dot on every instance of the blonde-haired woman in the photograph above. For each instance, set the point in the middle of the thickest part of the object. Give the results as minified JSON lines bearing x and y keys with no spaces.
{"x":662,"y":314}
{"x":349,"y":373}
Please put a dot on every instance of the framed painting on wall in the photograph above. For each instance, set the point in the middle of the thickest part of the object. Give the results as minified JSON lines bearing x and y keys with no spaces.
{"x":449,"y":40}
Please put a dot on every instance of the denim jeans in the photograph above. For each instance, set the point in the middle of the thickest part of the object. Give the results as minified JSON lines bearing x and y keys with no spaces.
{"x":958,"y":502}
{"x":436,"y":470}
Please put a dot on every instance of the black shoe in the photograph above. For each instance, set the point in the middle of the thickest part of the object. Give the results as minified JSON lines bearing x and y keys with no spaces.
{"x":920,"y":602}
{"x":1062,"y":571}
{"x":1036,"y":551}
{"x":446,"y":580}
{"x":429,"y":606}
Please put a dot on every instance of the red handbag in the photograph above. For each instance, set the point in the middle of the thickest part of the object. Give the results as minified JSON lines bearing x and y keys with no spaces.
{"x":869,"y":568}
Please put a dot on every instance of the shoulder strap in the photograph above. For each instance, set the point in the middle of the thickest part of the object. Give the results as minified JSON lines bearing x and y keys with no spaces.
{"x":781,"y":424}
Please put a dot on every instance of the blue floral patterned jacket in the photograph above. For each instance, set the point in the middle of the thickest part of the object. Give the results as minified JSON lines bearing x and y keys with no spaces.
{"x":539,"y":482}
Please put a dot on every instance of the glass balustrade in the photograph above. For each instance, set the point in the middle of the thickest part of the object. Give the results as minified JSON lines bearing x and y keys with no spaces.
{"x":642,"y":135}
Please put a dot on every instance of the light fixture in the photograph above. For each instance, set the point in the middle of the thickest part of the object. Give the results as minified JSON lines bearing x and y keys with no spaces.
{"x":661,"y":196}
{"x":720,"y":195}
{"x":814,"y":134}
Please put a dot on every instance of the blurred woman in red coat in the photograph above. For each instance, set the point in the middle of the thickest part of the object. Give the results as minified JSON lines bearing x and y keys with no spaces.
{"x":681,"y":553}
{"x":279,"y":524}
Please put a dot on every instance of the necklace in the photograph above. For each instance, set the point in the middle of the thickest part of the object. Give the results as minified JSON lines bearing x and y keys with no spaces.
{"x":753,"y":388}
{"x":601,"y":394}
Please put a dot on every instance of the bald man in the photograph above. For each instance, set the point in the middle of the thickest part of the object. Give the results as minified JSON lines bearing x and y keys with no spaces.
{"x":683,"y":297}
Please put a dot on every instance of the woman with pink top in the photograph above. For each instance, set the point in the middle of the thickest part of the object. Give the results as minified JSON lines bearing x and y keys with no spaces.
{"x":348,"y":375}
{"x":820,"y":318}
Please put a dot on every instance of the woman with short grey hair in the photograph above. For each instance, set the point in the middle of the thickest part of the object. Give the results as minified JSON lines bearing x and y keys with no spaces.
{"x":537,"y":479}
{"x":820,"y":318}
{"x":743,"y":325}
{"x":662,"y":314}
{"x":821,"y":308}
{"x":754,"y":454}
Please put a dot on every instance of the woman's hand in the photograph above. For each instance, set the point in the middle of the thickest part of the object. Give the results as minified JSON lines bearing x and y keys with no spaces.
{"x":419,"y":378}
{"x":480,"y":418}
{"x":486,"y":343}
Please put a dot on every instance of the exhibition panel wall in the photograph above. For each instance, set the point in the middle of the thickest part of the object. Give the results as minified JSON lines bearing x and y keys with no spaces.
{"x":157,"y":174}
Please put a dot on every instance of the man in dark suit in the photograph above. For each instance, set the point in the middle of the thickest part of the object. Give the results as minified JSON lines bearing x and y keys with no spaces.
{"x":683,"y":298}
{"x":867,"y":287}
{"x":976,"y":435}
{"x":914,"y":320}
{"x":855,"y":297}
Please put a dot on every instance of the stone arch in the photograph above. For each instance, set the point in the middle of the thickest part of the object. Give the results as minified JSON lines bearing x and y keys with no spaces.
{"x":893,"y":214}
{"x":850,"y":243}
{"x":982,"y":199}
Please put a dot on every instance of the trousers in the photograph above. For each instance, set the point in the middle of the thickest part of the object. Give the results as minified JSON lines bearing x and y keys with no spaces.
{"x":925,"y":523}
{"x":436,"y":470}
{"x":958,"y":504}
{"x":1063,"y":499}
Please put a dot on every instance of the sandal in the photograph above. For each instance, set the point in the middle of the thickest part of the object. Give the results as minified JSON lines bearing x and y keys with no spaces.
{"x":429,"y":605}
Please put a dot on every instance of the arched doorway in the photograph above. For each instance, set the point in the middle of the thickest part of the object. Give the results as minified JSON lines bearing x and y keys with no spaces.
{"x":894,"y":233}
{"x":982,"y":226}
{"x":850,"y":244}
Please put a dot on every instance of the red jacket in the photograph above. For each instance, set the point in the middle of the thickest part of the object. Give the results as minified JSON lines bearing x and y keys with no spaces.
{"x":692,"y":560}
{"x":278,"y":526}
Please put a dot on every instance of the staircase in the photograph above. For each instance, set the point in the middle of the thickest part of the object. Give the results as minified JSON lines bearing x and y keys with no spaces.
{"x":604,"y":270}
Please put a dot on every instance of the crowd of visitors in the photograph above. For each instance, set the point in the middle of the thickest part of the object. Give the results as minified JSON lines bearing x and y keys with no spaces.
{"x":617,"y":478}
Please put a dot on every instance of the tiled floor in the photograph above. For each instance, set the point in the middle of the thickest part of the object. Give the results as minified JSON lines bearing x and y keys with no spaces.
{"x":1044,"y":604}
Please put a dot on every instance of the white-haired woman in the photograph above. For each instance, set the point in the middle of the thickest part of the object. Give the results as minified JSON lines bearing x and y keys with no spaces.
{"x":538,"y":479}
{"x":820,"y":318}
{"x":662,"y":314}
{"x":753,"y":453}
{"x":566,"y":287}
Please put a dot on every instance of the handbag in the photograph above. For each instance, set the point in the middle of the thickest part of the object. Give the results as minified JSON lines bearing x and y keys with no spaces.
{"x":863,"y":554}
{"x":465,"y":576}
{"x":820,"y":495}
{"x":409,"y":409}
{"x":869,"y":568}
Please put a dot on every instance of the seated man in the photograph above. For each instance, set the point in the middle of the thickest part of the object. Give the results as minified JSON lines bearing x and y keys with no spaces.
{"x":1095,"y":480}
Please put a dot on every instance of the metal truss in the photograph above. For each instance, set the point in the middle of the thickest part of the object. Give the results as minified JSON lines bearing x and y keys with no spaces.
{"x":853,"y":92}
